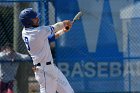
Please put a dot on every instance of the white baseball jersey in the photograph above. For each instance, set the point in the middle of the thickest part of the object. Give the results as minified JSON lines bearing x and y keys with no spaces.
{"x":36,"y":40}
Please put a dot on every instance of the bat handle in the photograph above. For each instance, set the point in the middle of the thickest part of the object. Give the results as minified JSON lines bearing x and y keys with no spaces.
{"x":67,"y":27}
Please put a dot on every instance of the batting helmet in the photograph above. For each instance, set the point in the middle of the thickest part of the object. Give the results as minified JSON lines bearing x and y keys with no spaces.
{"x":26,"y":15}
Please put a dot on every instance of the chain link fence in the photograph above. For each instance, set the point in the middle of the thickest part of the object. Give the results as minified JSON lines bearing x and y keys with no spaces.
{"x":6,"y":26}
{"x":99,"y":54}
{"x":10,"y":32}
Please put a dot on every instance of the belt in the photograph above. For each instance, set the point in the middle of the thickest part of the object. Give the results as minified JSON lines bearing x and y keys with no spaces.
{"x":47,"y":63}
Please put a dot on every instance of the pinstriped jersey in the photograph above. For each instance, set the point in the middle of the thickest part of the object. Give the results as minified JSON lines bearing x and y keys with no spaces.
{"x":36,"y":41}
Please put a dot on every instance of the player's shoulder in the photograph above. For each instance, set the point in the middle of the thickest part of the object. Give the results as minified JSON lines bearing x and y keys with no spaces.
{"x":44,"y":29}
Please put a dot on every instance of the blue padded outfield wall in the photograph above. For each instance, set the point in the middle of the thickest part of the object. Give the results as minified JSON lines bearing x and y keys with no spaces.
{"x":94,"y":55}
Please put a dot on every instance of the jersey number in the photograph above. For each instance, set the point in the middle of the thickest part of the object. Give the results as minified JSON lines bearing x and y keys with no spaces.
{"x":27,"y":43}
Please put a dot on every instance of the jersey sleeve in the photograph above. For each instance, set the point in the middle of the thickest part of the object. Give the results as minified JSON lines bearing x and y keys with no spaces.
{"x":57,"y":26}
{"x":46,"y":31}
{"x":51,"y":37}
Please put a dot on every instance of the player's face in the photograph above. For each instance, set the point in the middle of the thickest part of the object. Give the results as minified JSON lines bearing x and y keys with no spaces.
{"x":35,"y":22}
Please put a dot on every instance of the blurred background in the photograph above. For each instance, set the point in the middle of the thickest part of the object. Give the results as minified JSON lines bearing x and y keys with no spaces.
{"x":101,"y":52}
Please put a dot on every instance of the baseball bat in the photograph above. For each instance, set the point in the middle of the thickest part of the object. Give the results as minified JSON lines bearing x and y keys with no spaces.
{"x":77,"y":17}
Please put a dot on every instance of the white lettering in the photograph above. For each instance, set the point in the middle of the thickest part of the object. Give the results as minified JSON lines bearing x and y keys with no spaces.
{"x":77,"y":70}
{"x":90,"y":69}
{"x":115,"y":69}
{"x":126,"y":69}
{"x":102,"y":69}
{"x":131,"y":68}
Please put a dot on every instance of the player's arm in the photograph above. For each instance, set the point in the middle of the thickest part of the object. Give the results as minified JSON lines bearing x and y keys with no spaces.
{"x":51,"y":37}
{"x":66,"y":23}
{"x":61,"y":30}
{"x":60,"y":25}
{"x":54,"y":36}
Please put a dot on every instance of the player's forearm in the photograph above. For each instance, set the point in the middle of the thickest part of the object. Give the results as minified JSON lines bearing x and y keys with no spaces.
{"x":59,"y":33}
{"x":54,"y":36}
{"x":62,"y":25}
{"x":58,"y":26}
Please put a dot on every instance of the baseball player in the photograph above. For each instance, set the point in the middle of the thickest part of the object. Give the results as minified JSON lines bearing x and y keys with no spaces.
{"x":50,"y":78}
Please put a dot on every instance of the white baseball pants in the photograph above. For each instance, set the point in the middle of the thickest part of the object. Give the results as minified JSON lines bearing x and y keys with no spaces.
{"x":51,"y":79}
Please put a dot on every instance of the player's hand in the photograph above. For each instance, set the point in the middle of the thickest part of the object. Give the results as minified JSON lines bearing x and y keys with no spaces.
{"x":67,"y":25}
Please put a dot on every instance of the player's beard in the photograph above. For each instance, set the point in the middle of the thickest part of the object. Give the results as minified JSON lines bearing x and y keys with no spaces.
{"x":35,"y":24}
